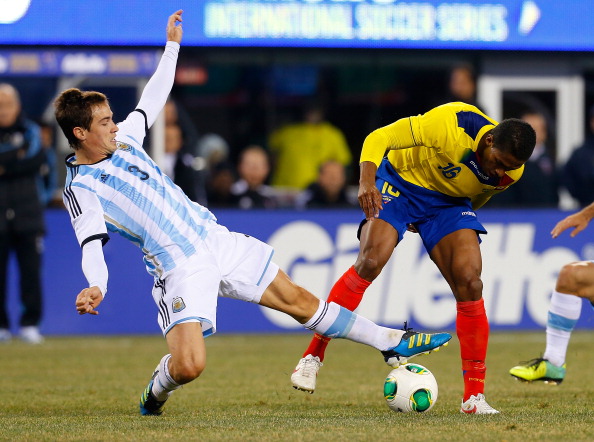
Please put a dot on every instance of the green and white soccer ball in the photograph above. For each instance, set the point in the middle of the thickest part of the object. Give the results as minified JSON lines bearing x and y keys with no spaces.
{"x":410,"y":387}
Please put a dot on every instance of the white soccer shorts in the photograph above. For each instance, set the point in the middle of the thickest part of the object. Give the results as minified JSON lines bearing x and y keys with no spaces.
{"x":227,"y":264}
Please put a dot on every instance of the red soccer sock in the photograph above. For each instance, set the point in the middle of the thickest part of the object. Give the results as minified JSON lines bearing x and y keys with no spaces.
{"x":472,"y":328}
{"x":347,"y":292}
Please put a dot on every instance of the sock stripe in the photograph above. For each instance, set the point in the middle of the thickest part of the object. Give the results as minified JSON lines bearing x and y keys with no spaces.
{"x":560,"y":322}
{"x":320,"y":317}
{"x":342,"y":325}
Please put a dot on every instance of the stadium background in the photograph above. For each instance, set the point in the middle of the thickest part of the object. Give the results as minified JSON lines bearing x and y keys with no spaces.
{"x":240,"y":84}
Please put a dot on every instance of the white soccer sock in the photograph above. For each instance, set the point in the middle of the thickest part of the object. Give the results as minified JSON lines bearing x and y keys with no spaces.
{"x":564,"y":311}
{"x":164,"y":384}
{"x":334,"y":321}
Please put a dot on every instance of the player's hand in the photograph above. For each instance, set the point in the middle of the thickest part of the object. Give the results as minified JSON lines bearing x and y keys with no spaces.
{"x":578,"y":221}
{"x":88,"y":300}
{"x":370,"y":200}
{"x":174,"y":27}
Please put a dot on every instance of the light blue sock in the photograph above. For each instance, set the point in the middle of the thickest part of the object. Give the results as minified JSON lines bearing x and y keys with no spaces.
{"x":333,"y":321}
{"x":564,"y":312}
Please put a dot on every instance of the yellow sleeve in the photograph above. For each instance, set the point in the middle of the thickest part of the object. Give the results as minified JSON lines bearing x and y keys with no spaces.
{"x":397,"y":135}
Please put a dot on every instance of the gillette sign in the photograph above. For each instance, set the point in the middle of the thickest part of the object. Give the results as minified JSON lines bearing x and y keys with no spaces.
{"x":520,"y":266}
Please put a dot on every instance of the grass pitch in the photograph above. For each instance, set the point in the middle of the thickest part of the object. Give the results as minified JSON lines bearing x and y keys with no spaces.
{"x":87,"y":388}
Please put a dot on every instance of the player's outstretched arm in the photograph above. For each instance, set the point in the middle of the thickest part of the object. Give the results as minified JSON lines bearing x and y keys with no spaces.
{"x":88,"y":300}
{"x":578,"y":221}
{"x":159,"y":86}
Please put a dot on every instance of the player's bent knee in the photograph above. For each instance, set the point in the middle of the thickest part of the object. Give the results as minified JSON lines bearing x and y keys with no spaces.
{"x":184,"y":371}
{"x":573,"y":276}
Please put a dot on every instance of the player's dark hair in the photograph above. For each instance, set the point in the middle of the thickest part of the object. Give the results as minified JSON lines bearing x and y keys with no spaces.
{"x":516,"y":137}
{"x":74,"y":108}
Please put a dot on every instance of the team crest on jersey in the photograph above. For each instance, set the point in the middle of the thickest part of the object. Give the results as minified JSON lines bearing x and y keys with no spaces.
{"x":178,"y":305}
{"x":450,"y":171}
{"x":123,"y":146}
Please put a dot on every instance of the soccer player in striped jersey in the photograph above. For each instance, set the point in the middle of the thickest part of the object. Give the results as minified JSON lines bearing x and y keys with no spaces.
{"x":113,"y":185}
{"x":428,"y":174}
{"x":575,"y":281}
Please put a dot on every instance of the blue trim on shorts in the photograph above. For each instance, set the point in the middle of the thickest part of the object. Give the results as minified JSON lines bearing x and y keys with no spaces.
{"x":265,"y":268}
{"x":342,"y":324}
{"x":206,"y":333}
{"x":432,"y":213}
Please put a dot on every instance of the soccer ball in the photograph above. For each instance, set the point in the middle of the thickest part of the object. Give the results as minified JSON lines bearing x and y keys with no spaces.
{"x":410,"y":387}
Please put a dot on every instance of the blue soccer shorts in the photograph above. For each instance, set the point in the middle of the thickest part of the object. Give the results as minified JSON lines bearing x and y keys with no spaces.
{"x":433,"y":214}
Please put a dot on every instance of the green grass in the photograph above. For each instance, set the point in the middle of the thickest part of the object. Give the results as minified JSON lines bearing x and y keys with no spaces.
{"x":87,"y":388}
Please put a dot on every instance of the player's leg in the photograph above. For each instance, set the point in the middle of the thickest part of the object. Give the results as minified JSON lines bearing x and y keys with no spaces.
{"x":378,"y":239}
{"x":575,"y":280}
{"x":187,"y":301}
{"x":28,"y":248}
{"x":330,"y":319}
{"x":185,"y":362}
{"x":458,"y":257}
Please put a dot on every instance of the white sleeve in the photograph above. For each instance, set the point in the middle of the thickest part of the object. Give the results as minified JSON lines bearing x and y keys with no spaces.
{"x":93,"y":265}
{"x":86,"y":214}
{"x":153,"y":96}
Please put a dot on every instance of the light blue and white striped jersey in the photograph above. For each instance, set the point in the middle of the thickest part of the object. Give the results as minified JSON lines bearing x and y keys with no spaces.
{"x":127,"y":193}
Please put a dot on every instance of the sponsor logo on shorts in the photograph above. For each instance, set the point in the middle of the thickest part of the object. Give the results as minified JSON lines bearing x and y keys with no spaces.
{"x":469,"y":214}
{"x":178,"y":305}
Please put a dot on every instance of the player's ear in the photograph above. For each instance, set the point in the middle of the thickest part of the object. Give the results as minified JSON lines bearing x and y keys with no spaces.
{"x":79,"y":133}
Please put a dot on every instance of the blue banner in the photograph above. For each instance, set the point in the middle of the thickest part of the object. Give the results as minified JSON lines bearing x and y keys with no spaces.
{"x":430,"y":24}
{"x":520,"y":266}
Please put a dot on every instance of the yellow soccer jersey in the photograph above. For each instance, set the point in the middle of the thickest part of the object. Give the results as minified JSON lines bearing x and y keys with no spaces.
{"x":437,"y":151}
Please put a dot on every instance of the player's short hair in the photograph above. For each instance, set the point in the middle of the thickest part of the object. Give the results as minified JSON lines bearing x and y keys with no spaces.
{"x":516,"y":137}
{"x":74,"y":108}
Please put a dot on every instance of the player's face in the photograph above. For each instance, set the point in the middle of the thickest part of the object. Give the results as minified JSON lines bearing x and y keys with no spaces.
{"x":496,"y":162}
{"x":101,"y":136}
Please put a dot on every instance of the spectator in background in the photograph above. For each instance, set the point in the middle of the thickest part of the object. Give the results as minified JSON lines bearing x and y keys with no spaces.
{"x":48,"y":179}
{"x":218,"y":186}
{"x":21,"y":213}
{"x":216,"y":171}
{"x":578,"y":173}
{"x":179,"y":164}
{"x":461,"y":85}
{"x":539,"y":184}
{"x":299,"y":149}
{"x":329,"y":191}
{"x":176,"y":114}
{"x":250,"y":190}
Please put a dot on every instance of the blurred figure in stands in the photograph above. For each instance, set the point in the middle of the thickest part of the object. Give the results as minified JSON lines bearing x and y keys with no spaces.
{"x":540,"y":183}
{"x":299,"y":149}
{"x":21,"y":213}
{"x":329,"y":191}
{"x":179,"y":164}
{"x":578,"y":173}
{"x":461,"y":86}
{"x":48,"y":173}
{"x":250,"y":190}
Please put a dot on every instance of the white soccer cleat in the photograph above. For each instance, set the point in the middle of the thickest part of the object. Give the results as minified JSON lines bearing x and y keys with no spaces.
{"x":477,"y":405}
{"x":30,"y":334}
{"x":306,"y":373}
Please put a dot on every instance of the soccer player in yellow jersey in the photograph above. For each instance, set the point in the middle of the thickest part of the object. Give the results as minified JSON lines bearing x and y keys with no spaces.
{"x":428,"y":174}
